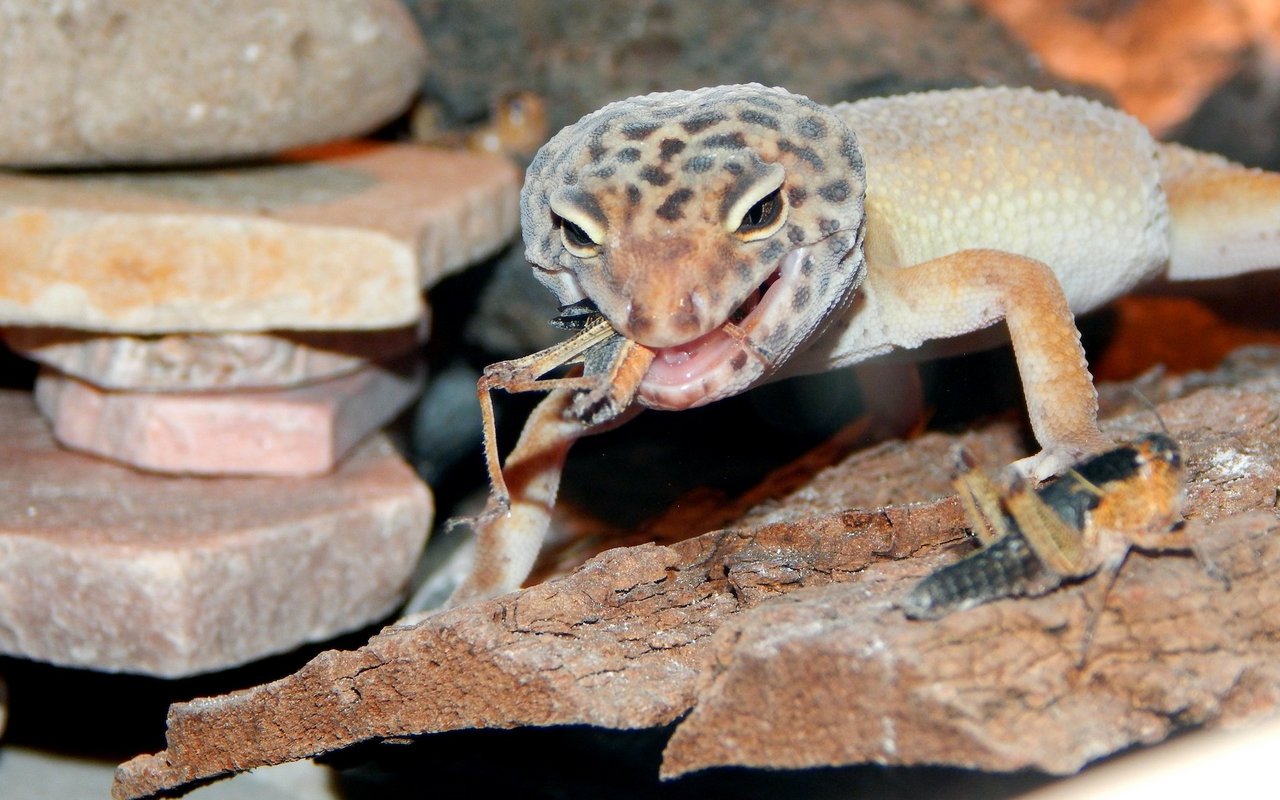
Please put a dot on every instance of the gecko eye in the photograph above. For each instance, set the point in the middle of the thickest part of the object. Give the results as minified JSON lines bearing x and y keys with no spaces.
{"x":762,"y":218}
{"x":576,"y":240}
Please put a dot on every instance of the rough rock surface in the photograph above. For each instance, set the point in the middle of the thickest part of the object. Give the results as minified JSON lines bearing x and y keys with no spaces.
{"x":196,"y":362}
{"x":124,"y":81}
{"x":828,"y":50}
{"x":780,"y":643}
{"x":111,"y":569}
{"x":305,"y":430}
{"x":336,"y":239}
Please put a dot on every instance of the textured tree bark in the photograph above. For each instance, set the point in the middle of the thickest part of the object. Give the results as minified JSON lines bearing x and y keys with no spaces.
{"x":781,"y":641}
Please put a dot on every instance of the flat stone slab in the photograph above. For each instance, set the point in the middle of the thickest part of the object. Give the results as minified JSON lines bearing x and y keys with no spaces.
{"x":208,"y":361}
{"x":336,"y":239}
{"x":111,"y":569}
{"x":300,"y":431}
{"x":119,"y":81}
{"x":781,"y":643}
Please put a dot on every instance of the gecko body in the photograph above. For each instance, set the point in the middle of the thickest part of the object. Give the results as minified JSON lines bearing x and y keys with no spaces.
{"x":737,"y":234}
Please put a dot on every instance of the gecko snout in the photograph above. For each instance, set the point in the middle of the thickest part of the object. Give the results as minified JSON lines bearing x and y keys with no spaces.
{"x":673,"y":320}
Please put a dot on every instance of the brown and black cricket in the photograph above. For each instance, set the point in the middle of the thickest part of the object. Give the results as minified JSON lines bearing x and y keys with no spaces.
{"x":612,"y":367}
{"x":1034,"y":540}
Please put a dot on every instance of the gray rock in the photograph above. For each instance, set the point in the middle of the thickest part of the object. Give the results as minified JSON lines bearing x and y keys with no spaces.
{"x":514,"y":311}
{"x":1241,"y":119}
{"x":579,"y":54}
{"x":446,"y":421}
{"x":128,"y":81}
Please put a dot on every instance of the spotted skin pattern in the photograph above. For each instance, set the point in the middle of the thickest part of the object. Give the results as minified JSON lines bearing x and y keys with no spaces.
{"x":663,"y":181}
{"x":739,"y":234}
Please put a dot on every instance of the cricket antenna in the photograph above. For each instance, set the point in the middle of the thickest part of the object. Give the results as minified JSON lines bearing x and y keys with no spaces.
{"x":1142,"y":398}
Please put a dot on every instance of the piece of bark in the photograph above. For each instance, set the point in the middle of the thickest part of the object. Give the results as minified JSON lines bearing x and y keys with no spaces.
{"x":304,"y":430}
{"x":108,"y":568}
{"x":619,"y":643}
{"x":339,"y":238}
{"x":1050,"y":684}
{"x":782,"y":646}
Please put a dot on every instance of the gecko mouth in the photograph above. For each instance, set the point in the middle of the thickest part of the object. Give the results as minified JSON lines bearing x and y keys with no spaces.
{"x":743,"y":311}
{"x":703,"y":369}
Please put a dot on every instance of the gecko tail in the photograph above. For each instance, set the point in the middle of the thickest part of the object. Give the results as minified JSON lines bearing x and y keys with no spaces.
{"x":1225,"y":218}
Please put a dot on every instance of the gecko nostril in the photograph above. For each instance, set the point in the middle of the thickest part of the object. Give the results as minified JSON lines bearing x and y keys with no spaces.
{"x":639,"y":322}
{"x":690,"y":312}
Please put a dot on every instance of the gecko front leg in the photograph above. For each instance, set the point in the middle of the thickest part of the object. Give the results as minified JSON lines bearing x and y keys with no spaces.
{"x":511,"y":528}
{"x":509,"y":534}
{"x":973,"y":289}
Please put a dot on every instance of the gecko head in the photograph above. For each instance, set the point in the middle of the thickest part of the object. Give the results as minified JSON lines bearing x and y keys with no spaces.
{"x":720,"y":228}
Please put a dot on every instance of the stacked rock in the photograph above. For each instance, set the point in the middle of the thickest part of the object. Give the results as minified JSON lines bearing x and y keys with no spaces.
{"x":246,"y":309}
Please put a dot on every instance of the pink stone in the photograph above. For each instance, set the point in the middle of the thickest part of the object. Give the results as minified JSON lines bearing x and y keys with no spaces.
{"x":300,"y":431}
{"x":112,"y":569}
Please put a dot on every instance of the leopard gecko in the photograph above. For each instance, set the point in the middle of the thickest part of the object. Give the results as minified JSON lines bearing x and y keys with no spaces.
{"x":712,"y":240}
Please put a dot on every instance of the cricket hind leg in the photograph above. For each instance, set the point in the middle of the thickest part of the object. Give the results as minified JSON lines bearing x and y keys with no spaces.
{"x":509,"y":532}
{"x":525,"y":375}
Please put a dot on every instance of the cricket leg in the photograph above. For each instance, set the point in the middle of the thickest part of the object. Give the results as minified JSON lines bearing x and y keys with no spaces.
{"x":510,"y":531}
{"x":1059,"y":546}
{"x":980,"y":498}
{"x":509,"y":535}
{"x":973,"y":289}
{"x":525,"y":375}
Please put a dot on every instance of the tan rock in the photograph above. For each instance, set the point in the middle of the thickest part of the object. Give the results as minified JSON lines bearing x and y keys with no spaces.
{"x":305,"y":430}
{"x":338,"y":239}
{"x":196,"y":362}
{"x":111,"y":569}
{"x":126,"y":81}
{"x":781,"y":645}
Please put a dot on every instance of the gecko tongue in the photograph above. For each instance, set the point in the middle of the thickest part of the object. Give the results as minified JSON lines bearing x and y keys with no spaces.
{"x":692,"y":361}
{"x":683,"y":363}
